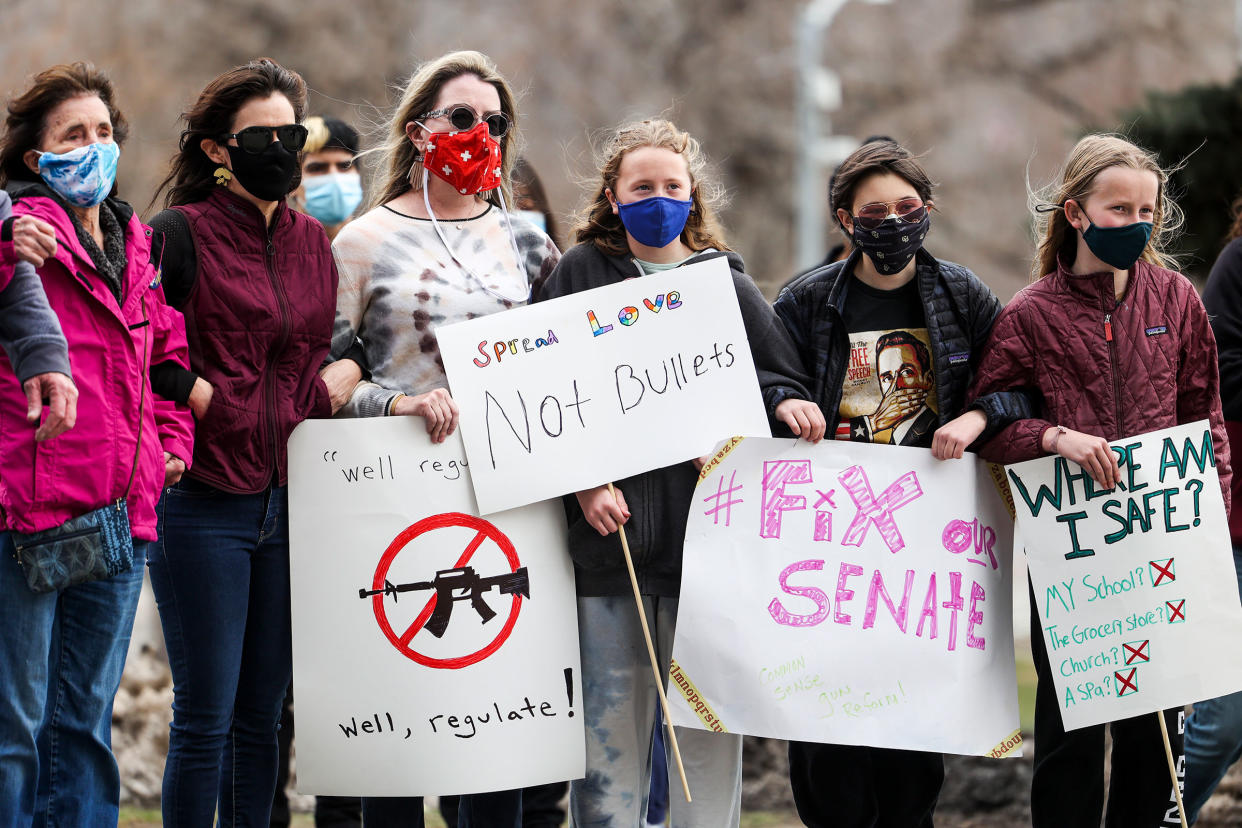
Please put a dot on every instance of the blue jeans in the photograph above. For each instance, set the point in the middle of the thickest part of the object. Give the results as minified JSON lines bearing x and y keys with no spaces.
{"x":221,"y":578}
{"x":1213,"y":738}
{"x":61,"y":656}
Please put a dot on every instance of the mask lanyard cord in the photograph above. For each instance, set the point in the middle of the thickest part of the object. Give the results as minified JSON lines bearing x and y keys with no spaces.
{"x":517,"y":258}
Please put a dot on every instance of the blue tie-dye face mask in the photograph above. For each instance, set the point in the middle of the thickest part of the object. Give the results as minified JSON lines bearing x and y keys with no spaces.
{"x":83,"y":176}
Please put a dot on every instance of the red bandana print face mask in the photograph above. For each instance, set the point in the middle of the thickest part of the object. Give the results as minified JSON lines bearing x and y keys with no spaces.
{"x":469,"y":160}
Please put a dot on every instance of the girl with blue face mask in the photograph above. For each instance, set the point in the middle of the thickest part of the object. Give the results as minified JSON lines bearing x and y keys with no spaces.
{"x":652,"y":212}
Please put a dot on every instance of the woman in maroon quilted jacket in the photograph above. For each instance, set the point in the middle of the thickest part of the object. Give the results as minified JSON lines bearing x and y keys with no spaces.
{"x":257,"y":285}
{"x":1117,"y":345}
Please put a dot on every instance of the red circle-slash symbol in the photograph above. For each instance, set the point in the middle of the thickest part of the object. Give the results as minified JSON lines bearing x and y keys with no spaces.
{"x":483,"y":531}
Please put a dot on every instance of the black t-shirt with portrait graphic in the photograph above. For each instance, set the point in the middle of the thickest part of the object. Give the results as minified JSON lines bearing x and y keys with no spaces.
{"x":889,"y":392}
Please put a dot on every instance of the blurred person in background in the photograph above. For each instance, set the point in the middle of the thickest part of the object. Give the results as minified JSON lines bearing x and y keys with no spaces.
{"x":331,"y":187}
{"x":62,"y":652}
{"x":652,"y":210}
{"x":439,"y":208}
{"x":1214,"y":729}
{"x":257,"y":285}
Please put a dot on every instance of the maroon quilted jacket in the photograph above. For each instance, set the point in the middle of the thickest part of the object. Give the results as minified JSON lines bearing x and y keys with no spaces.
{"x":1103,"y":367}
{"x":258,"y":318}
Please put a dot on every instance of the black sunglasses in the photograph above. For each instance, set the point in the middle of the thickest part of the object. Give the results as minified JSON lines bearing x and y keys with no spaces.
{"x":463,"y":117}
{"x":255,"y":139}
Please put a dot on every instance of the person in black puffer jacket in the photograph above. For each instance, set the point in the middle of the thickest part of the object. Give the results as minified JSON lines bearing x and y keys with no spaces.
{"x":891,"y":337}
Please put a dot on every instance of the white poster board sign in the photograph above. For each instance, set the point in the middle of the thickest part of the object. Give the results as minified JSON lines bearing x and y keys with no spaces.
{"x":848,"y":593}
{"x":1135,"y":586}
{"x":432,"y":649}
{"x":601,"y":385}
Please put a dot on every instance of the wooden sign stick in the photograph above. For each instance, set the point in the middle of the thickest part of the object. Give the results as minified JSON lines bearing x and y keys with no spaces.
{"x":655,"y":667}
{"x":1168,"y":754}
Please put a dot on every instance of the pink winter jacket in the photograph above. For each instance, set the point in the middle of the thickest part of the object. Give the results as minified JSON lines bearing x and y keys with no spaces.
{"x":45,"y":484}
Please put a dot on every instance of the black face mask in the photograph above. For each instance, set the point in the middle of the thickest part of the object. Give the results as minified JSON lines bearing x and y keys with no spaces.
{"x":268,"y":175}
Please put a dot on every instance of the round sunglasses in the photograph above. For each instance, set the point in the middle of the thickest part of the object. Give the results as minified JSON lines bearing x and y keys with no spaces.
{"x":255,"y":139}
{"x":463,"y":117}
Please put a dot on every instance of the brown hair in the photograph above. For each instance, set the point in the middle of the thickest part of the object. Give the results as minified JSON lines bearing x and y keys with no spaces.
{"x":400,"y":166}
{"x":26,"y":121}
{"x":603,"y":228}
{"x":1235,"y":229}
{"x":1090,"y":157}
{"x":876,"y":157}
{"x":526,"y":184}
{"x":191,"y":172}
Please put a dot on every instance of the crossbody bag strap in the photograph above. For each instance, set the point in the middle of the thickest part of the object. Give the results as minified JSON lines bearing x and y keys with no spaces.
{"x":142,"y":394}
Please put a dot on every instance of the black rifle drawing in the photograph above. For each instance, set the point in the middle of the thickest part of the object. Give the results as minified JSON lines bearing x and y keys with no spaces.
{"x":452,"y":585}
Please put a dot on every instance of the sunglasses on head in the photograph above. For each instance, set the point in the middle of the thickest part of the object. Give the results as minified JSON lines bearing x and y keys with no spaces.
{"x":463,"y":117}
{"x":910,"y":210}
{"x":255,"y":139}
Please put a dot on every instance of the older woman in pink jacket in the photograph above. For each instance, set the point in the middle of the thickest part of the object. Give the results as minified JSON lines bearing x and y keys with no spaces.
{"x":62,"y":652}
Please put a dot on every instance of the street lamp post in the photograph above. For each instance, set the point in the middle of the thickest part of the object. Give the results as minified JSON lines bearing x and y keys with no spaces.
{"x":818,"y":93}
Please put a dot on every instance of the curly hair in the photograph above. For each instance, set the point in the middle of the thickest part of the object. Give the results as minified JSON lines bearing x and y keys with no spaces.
{"x":603,"y":228}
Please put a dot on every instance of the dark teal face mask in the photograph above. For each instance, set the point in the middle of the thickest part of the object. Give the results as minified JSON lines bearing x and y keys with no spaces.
{"x":1118,"y":247}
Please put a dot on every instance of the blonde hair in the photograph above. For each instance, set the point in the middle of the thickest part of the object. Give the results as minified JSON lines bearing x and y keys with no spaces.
{"x":1089,"y":157}
{"x":603,"y":228}
{"x":400,"y":167}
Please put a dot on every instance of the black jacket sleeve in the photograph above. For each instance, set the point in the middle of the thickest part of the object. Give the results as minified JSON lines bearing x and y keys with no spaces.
{"x":1000,"y":407}
{"x":1223,"y":299}
{"x":173,"y":256}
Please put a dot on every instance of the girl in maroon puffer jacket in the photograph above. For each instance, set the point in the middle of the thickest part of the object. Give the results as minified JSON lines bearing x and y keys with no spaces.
{"x":1116,"y":345}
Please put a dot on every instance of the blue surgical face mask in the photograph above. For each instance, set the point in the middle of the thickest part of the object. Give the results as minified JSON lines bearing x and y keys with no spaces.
{"x":1118,"y":247}
{"x":332,"y":198}
{"x":655,"y":221}
{"x":83,"y":176}
{"x":534,"y":217}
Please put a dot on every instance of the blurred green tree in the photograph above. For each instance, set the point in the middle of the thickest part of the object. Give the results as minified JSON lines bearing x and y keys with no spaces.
{"x":1198,"y":131}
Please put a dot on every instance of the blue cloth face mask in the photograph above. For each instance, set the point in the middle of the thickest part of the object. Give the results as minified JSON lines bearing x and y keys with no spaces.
{"x":332,"y":198}
{"x":655,"y":221}
{"x":1118,"y":247}
{"x":83,"y":176}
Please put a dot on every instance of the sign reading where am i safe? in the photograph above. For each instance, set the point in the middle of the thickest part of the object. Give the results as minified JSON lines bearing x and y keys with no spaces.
{"x":849,"y":593}
{"x":1135,"y":586}
{"x":602,"y":385}
{"x":431,"y":646}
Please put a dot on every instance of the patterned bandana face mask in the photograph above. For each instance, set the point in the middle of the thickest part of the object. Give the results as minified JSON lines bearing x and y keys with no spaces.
{"x":893,"y":244}
{"x":469,"y":160}
{"x":83,"y":176}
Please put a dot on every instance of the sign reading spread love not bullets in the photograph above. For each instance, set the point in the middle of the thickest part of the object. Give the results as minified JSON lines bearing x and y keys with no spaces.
{"x":601,"y":385}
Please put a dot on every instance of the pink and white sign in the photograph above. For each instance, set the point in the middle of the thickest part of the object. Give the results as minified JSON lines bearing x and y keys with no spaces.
{"x":849,"y":593}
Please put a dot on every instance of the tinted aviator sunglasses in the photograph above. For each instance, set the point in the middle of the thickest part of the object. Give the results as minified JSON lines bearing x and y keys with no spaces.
{"x":463,"y":117}
{"x":909,"y":210}
{"x":255,"y":139}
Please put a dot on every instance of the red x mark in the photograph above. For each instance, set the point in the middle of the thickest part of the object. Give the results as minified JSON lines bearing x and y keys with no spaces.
{"x":1161,"y":572}
{"x":1177,"y":610}
{"x":1127,"y":683}
{"x":1136,"y":651}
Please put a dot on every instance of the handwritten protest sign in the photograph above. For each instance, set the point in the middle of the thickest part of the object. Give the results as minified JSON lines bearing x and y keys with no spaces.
{"x":431,"y":647}
{"x":601,"y":385}
{"x":1135,"y":586}
{"x":850,"y":593}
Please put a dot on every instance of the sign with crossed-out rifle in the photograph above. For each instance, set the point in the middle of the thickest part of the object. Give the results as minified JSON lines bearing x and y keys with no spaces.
{"x":427,"y":641}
